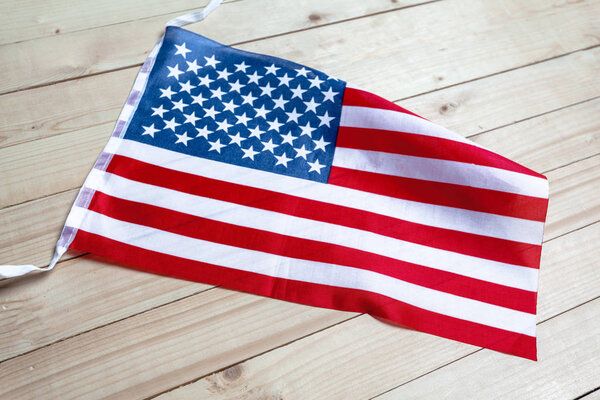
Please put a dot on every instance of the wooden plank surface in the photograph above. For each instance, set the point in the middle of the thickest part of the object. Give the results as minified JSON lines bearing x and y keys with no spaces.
{"x":517,"y":77}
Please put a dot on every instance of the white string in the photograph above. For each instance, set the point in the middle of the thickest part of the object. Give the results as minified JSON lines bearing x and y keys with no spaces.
{"x":13,"y":271}
{"x":195,"y":16}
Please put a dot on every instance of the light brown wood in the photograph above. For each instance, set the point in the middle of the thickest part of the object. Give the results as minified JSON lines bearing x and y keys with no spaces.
{"x":151,"y":352}
{"x":93,"y":330}
{"x":460,"y":58}
{"x":569,"y":366}
{"x":363,"y":357}
{"x":34,"y":19}
{"x":89,"y":51}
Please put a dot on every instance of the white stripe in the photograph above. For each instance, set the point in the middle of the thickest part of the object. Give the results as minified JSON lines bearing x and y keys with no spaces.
{"x":390,"y":120}
{"x":480,"y":223}
{"x":487,"y":270}
{"x":308,"y":271}
{"x":436,"y":170}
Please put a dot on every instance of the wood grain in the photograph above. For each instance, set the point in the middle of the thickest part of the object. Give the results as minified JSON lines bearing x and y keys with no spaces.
{"x":158,"y":350}
{"x":433,"y":63}
{"x":363,"y":357}
{"x":90,"y":51}
{"x":517,"y":77}
{"x":569,"y":366}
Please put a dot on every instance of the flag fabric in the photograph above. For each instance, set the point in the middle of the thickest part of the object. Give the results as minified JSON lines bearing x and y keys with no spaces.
{"x":269,"y":177}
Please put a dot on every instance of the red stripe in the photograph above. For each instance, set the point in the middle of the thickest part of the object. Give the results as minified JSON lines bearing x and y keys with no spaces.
{"x":289,"y":246}
{"x":311,"y":294}
{"x":425,"y":146}
{"x":361,"y":98}
{"x":465,"y":243}
{"x":443,"y":194}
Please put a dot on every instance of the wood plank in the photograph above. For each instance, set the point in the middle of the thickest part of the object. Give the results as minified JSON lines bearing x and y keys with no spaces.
{"x":77,"y":149}
{"x":569,"y":366}
{"x":363,"y":357}
{"x":31,"y":243}
{"x":33,"y":19}
{"x":32,"y":229}
{"x":595,"y":395}
{"x":570,"y":190}
{"x":164,"y":347}
{"x":500,"y":100}
{"x":59,"y":57}
{"x":465,"y":59}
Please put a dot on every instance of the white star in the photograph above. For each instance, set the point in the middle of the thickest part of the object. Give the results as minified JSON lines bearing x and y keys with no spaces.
{"x":178,"y":105}
{"x":266,"y":90}
{"x":269,"y":146}
{"x":297,"y":92}
{"x":210,"y":112}
{"x":198,"y":99}
{"x":218,"y":93}
{"x":293,"y":116}
{"x":211,"y":61}
{"x":274,"y":125}
{"x":241,"y":67}
{"x":301,"y":152}
{"x":203,"y":132}
{"x":320,"y":144}
{"x":282,"y":159}
{"x":229,"y":106}
{"x":285,"y":80}
{"x":288,"y":138}
{"x":236,"y":139}
{"x":249,"y":99}
{"x":167,"y":93}
{"x":311,"y":106}
{"x":171,"y":124}
{"x":325,"y":119}
{"x":249,"y":153}
{"x":223,"y":74}
{"x":261,"y":112}
{"x":181,"y":49}
{"x":279,"y":103}
{"x":315,"y":166}
{"x":254,"y":77}
{"x":236,"y":86}
{"x":243,"y":119}
{"x":307,"y":130}
{"x":191,"y":118}
{"x":187,"y":87}
{"x":329,"y":95}
{"x":315,"y":82}
{"x":160,"y":111}
{"x":216,"y":145}
{"x":174,"y":71}
{"x":193,"y":66}
{"x":205,"y":80}
{"x":184,"y":138}
{"x":272,"y":69}
{"x":149,"y":130}
{"x":302,"y":72}
{"x":224,"y":125}
{"x":255,"y":132}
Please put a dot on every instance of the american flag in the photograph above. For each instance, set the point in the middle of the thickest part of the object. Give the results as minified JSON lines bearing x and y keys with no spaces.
{"x":262,"y":175}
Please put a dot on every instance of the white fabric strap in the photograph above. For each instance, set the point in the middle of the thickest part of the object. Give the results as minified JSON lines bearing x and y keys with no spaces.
{"x":195,"y":16}
{"x":12,"y":271}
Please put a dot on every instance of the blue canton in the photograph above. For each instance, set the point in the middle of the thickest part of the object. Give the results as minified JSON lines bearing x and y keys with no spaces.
{"x":210,"y":100}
